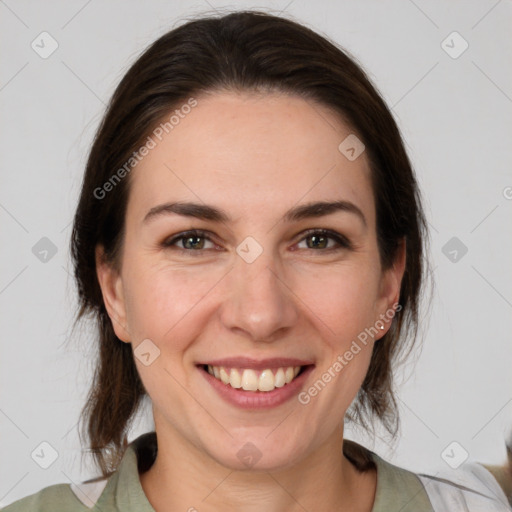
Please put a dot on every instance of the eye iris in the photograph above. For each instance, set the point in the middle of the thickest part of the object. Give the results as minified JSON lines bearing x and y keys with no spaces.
{"x":193,"y":246}
{"x":322,"y":238}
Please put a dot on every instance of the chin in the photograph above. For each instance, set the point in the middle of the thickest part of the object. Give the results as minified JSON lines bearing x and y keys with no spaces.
{"x":257,"y":455}
{"x":258,"y":463}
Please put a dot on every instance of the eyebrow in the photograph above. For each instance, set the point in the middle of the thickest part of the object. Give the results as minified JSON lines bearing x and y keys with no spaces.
{"x":207,"y":212}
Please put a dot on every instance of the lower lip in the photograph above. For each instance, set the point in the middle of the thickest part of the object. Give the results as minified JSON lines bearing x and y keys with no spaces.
{"x":257,"y":399}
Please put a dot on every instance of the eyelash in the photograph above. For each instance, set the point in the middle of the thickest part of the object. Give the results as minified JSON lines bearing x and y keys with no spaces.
{"x":342,"y":241}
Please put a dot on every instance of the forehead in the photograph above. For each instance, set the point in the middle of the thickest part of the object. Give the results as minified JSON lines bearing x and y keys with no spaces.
{"x":247,"y":151}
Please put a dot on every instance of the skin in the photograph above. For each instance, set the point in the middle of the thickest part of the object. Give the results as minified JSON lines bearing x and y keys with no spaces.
{"x":254,"y":156}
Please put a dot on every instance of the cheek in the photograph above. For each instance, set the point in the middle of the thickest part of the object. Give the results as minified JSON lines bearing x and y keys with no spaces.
{"x":160,"y":300}
{"x":343,"y":300}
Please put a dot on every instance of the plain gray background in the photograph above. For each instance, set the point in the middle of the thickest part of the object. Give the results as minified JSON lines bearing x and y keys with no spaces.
{"x":455,"y":115}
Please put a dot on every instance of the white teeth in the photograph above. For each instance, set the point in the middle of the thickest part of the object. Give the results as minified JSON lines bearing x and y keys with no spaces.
{"x":279,"y":379}
{"x":224,"y":377}
{"x":266,"y":381}
{"x":249,"y":380}
{"x":234,"y":379}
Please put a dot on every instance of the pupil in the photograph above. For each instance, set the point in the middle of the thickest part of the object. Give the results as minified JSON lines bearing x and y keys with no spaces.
{"x":317,"y":238}
{"x":193,"y":245}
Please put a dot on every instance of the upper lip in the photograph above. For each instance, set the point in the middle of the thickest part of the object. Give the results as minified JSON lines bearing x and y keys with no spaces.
{"x":255,"y":364}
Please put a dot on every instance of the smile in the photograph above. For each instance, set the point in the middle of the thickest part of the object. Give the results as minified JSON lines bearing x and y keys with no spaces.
{"x":256,"y":384}
{"x":254,"y":380}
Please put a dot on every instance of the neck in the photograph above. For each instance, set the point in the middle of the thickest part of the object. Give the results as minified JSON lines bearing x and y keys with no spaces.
{"x":184,"y":478}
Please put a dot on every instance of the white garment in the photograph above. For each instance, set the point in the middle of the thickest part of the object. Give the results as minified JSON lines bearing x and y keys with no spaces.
{"x":469,"y":488}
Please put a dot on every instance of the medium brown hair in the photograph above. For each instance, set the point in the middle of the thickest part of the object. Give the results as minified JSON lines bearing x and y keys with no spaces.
{"x":240,"y":51}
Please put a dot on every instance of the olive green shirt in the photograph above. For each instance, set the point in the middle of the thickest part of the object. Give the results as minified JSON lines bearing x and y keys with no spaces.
{"x":397,"y":489}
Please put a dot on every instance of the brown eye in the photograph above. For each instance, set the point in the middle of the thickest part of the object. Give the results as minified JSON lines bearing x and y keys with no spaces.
{"x":189,"y":241}
{"x":320,"y":239}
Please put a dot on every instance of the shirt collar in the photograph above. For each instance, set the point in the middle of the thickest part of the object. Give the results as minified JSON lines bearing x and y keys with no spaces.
{"x":397,"y":488}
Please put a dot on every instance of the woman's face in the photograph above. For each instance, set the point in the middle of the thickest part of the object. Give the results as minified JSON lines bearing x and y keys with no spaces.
{"x":255,"y":291}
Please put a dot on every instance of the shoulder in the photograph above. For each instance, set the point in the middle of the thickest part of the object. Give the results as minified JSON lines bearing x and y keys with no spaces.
{"x":398,"y":489}
{"x":60,"y":497}
{"x":471,"y":487}
{"x":120,"y":490}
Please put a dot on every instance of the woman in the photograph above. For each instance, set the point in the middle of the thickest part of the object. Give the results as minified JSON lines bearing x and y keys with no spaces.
{"x":250,"y":240}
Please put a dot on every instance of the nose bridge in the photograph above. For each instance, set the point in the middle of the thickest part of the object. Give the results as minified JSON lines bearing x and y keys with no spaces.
{"x":258,"y":301}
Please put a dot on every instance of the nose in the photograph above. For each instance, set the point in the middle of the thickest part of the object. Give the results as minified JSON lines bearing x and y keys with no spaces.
{"x":258,"y":302}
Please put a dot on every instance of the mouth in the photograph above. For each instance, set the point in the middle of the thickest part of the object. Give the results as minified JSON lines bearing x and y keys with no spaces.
{"x":248,"y":379}
{"x":250,"y":384}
